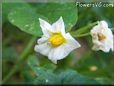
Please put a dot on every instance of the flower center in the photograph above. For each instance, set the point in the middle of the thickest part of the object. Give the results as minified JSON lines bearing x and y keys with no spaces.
{"x":101,"y":37}
{"x":56,"y":39}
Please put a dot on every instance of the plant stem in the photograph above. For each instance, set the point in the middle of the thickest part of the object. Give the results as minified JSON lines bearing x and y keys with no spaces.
{"x":21,"y":59}
{"x":112,"y":29}
{"x":84,"y":29}
{"x":81,"y":35}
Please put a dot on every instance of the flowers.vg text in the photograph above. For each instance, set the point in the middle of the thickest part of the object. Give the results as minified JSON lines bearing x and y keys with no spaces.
{"x":95,"y":4}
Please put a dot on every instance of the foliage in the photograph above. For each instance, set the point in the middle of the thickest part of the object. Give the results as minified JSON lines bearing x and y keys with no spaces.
{"x":21,"y":24}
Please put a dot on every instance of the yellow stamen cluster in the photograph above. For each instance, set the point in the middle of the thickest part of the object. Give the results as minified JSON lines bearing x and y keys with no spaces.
{"x":56,"y":39}
{"x":101,"y":37}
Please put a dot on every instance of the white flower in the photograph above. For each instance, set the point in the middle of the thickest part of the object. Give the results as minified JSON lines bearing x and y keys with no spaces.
{"x":102,"y":37}
{"x":55,"y":43}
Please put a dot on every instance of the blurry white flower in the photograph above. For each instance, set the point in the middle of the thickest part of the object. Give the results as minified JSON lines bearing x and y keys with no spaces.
{"x":102,"y":37}
{"x":55,"y":43}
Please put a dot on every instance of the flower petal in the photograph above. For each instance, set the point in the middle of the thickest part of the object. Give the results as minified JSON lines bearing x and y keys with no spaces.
{"x":106,"y":44}
{"x":105,"y":48}
{"x":42,"y":48}
{"x":70,"y":45}
{"x":95,"y":47}
{"x":57,"y":53}
{"x":62,"y":51}
{"x":42,"y":40}
{"x":103,"y":24}
{"x":58,"y":26}
{"x":71,"y":41}
{"x":46,"y":27}
{"x":94,"y":30}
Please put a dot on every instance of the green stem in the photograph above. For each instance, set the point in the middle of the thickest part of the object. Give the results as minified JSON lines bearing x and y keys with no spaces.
{"x":80,"y":35}
{"x":84,"y":29}
{"x":112,"y":29}
{"x":21,"y":59}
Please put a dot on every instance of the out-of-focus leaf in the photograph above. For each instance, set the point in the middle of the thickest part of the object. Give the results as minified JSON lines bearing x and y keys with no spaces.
{"x":33,"y":63}
{"x":53,"y":11}
{"x":27,"y":77}
{"x":72,"y":77}
{"x":44,"y":74}
{"x":95,"y":64}
{"x":47,"y":77}
{"x":9,"y":54}
{"x":64,"y":77}
{"x":26,"y":18}
{"x":104,"y":80}
{"x":37,"y":67}
{"x":8,"y":7}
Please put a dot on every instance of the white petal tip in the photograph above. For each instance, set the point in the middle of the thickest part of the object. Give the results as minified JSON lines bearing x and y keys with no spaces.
{"x":106,"y":51}
{"x":79,"y":45}
{"x":35,"y":48}
{"x":103,"y":23}
{"x":61,"y":18}
{"x":40,"y":19}
{"x":54,"y":61}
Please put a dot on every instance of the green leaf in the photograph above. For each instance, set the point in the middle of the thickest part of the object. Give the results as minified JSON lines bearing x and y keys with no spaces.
{"x":53,"y":11}
{"x":64,"y":77}
{"x":37,"y":67}
{"x":27,"y":76}
{"x":83,"y":31}
{"x":47,"y":77}
{"x":26,"y":19}
{"x":72,"y":77}
{"x":33,"y":63}
{"x":8,"y":7}
{"x":43,"y":74}
{"x":104,"y":80}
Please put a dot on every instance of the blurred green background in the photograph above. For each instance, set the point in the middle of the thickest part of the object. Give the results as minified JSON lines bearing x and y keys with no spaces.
{"x":83,"y":60}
